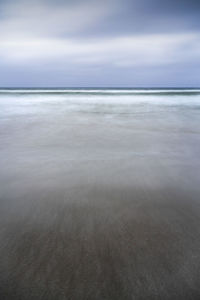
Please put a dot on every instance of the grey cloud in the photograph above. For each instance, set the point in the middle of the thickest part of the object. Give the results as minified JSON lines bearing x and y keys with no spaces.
{"x":99,"y":43}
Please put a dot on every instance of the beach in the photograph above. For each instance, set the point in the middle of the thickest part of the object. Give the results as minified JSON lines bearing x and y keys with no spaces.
{"x":99,"y":194}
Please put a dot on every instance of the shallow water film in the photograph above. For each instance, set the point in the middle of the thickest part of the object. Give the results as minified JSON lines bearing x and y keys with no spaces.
{"x":99,"y":194}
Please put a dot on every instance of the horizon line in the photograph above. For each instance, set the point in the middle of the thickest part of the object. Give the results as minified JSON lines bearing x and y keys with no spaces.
{"x":98,"y":87}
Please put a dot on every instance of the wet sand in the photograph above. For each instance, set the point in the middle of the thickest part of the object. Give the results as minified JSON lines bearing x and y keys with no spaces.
{"x":100,"y":209}
{"x":100,"y":241}
{"x":103,"y":243}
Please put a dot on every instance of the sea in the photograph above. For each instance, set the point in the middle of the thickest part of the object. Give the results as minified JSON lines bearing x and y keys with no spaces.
{"x":99,"y":193}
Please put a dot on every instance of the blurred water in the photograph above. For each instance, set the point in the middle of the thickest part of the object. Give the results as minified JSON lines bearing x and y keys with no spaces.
{"x":84,"y":173}
{"x":53,"y":127}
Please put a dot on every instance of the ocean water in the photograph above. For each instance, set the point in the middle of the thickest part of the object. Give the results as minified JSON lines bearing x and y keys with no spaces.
{"x":99,"y":193}
{"x":59,"y":125}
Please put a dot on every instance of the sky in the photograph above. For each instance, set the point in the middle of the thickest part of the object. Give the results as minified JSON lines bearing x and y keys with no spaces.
{"x":93,"y":43}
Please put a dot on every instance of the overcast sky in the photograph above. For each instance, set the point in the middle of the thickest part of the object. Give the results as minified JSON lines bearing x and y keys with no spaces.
{"x":134,"y":43}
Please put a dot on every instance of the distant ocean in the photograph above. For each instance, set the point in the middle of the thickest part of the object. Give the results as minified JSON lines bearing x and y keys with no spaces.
{"x":106,"y":100}
{"x":53,"y":122}
{"x":99,"y":193}
{"x":62,"y":124}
